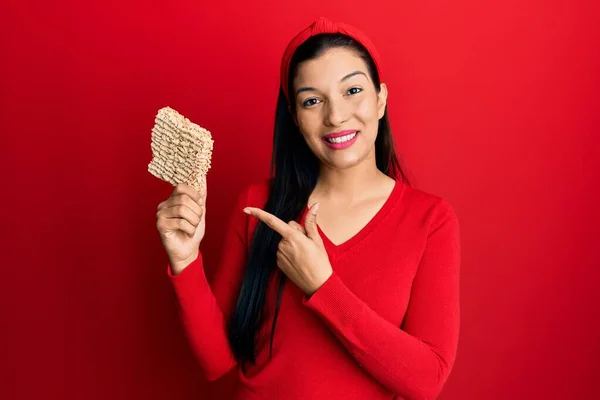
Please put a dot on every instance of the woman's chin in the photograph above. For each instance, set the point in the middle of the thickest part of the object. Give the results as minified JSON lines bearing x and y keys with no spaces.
{"x":346,"y":158}
{"x":343,"y":161}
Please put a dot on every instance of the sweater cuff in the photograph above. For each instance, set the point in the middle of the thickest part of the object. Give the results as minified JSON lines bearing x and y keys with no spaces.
{"x":335,"y":302}
{"x":188,"y":283}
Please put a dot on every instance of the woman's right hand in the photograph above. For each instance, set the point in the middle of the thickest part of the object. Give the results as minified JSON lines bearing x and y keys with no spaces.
{"x":180,"y":220}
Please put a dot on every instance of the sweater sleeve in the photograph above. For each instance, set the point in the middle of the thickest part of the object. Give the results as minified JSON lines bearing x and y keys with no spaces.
{"x":414,"y":360}
{"x":205,"y":309}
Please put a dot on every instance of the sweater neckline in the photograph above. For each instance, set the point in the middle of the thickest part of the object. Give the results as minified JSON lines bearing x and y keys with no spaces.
{"x":368,"y":228}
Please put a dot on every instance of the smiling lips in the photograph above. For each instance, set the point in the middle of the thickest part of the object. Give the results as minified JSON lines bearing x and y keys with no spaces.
{"x":340,"y":140}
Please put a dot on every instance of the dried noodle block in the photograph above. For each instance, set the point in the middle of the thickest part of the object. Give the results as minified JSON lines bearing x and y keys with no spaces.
{"x":181,"y":150}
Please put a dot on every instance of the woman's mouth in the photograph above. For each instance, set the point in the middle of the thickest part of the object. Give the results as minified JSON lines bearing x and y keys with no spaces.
{"x":341,"y":142}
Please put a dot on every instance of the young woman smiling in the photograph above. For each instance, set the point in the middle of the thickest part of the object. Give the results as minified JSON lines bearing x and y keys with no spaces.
{"x":338,"y":280}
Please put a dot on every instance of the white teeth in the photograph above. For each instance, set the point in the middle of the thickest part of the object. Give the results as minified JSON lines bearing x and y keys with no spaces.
{"x":341,"y":139}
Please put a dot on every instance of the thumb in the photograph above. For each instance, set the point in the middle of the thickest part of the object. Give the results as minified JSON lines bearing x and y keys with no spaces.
{"x":202,"y":189}
{"x":310,"y":224}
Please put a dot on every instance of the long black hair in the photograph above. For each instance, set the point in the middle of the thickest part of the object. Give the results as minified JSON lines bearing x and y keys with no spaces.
{"x":294,"y":173}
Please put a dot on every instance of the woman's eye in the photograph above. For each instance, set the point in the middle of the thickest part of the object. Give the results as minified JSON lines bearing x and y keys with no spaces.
{"x":309,"y":102}
{"x":312,"y":101}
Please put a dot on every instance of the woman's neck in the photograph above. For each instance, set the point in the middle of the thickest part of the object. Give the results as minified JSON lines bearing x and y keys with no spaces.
{"x":348,"y":185}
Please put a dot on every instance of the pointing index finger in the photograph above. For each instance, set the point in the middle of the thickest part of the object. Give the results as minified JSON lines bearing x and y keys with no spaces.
{"x":272,"y":221}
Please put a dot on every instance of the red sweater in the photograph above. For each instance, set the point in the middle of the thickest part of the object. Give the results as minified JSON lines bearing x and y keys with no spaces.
{"x":383,"y":326}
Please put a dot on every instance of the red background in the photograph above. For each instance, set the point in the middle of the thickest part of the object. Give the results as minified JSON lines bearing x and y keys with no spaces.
{"x":494,"y":106}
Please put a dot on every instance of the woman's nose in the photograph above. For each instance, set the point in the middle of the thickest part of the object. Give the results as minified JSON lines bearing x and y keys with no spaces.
{"x":336,"y":113}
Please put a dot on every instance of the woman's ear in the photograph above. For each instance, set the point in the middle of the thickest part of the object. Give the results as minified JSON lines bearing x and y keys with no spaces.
{"x":293,"y":115}
{"x":382,"y":100}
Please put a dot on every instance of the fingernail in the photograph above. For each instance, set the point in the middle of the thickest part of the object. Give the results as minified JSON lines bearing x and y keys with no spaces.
{"x":315,"y":208}
{"x":246,"y":211}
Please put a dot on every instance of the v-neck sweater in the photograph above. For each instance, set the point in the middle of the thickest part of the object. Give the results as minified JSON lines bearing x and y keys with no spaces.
{"x":385,"y":324}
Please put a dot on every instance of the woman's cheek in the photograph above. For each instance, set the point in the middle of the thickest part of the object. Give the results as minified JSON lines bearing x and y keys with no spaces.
{"x":309,"y":124}
{"x":366,"y":109}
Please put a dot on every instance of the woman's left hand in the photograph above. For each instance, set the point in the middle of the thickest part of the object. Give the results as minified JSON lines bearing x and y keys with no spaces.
{"x":301,"y":254}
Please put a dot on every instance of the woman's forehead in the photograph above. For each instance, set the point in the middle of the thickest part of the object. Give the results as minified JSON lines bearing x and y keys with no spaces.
{"x":331,"y":66}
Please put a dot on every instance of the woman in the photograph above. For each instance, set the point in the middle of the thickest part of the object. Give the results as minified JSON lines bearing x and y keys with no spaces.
{"x":339,"y":280}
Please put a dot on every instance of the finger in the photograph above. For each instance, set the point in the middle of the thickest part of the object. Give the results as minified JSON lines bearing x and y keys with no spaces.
{"x":181,"y":211}
{"x":297,"y":226}
{"x":166,"y":225}
{"x":310,"y":223}
{"x":182,"y":188}
{"x":272,"y":221}
{"x":183,"y":199}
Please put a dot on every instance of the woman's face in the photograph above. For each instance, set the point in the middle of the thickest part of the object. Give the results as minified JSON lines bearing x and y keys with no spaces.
{"x":338,"y":108}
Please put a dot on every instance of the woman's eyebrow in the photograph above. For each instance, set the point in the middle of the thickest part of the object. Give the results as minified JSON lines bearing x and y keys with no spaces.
{"x":312,"y":89}
{"x":351,"y":74}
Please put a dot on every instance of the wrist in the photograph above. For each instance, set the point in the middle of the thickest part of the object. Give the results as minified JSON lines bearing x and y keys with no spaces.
{"x":320,"y":283}
{"x":178,"y":266}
